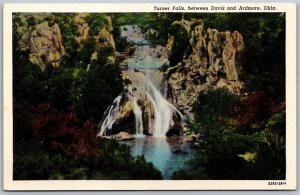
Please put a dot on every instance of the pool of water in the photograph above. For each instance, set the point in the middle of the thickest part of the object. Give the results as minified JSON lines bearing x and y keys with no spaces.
{"x":166,"y":154}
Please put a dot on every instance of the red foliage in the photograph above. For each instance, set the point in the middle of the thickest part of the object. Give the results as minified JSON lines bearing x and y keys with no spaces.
{"x":22,"y":120}
{"x":63,"y":130}
{"x":254,"y":108}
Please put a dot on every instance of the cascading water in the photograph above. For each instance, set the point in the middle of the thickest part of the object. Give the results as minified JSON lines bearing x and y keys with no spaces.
{"x":143,"y":70}
{"x":153,"y":114}
{"x":137,"y":113}
{"x":138,"y":118}
{"x":162,"y":111}
{"x":112,"y":113}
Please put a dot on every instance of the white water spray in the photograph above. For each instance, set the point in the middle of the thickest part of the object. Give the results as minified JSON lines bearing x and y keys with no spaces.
{"x":139,"y":129}
{"x":137,"y":117}
{"x":162,"y":112}
{"x":111,"y":113}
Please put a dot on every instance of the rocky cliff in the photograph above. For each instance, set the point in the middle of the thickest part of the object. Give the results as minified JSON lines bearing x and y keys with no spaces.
{"x":42,"y":38}
{"x":209,"y":59}
{"x":82,"y":27}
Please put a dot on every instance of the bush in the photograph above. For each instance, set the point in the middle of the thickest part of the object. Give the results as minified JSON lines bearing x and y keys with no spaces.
{"x":180,"y":44}
{"x":212,"y":106}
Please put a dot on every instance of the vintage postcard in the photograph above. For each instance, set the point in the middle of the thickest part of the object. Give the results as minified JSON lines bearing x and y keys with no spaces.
{"x":150,"y":96}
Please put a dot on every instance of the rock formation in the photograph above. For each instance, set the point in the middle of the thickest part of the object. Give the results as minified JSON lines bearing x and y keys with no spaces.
{"x":211,"y":59}
{"x":123,"y":136}
{"x":82,"y":27}
{"x":43,"y":40}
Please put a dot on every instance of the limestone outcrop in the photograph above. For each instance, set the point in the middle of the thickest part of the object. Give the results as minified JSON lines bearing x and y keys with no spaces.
{"x":82,"y":27}
{"x":42,"y":39}
{"x":211,"y":59}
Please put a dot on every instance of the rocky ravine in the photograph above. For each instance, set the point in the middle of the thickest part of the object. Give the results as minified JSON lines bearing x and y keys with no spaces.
{"x":211,"y":59}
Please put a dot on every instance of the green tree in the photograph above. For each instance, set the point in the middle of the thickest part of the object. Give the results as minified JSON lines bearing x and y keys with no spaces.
{"x":226,"y":150}
{"x":96,"y":22}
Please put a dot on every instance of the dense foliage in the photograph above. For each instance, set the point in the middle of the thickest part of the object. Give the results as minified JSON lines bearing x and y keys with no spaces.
{"x":54,"y":144}
{"x":237,"y":139}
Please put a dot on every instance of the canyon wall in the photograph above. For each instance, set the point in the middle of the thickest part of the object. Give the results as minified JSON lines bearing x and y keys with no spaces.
{"x":201,"y":59}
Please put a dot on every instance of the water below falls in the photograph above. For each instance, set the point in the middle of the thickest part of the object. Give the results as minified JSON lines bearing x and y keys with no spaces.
{"x":167,"y":155}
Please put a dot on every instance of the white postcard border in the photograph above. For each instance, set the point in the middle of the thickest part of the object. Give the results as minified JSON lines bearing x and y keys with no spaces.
{"x":10,"y":184}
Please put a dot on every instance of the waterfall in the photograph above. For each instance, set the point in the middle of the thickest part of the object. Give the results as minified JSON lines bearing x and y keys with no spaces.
{"x":138,"y":118}
{"x":147,"y":81}
{"x":111,"y":113}
{"x":162,"y":111}
{"x":136,"y":111}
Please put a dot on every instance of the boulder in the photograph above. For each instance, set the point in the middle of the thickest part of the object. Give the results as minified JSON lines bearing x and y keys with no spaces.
{"x":123,"y":136}
{"x":177,"y":150}
{"x":190,"y":138}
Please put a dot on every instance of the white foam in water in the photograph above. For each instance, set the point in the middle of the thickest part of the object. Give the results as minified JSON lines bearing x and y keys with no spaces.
{"x":137,"y":136}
